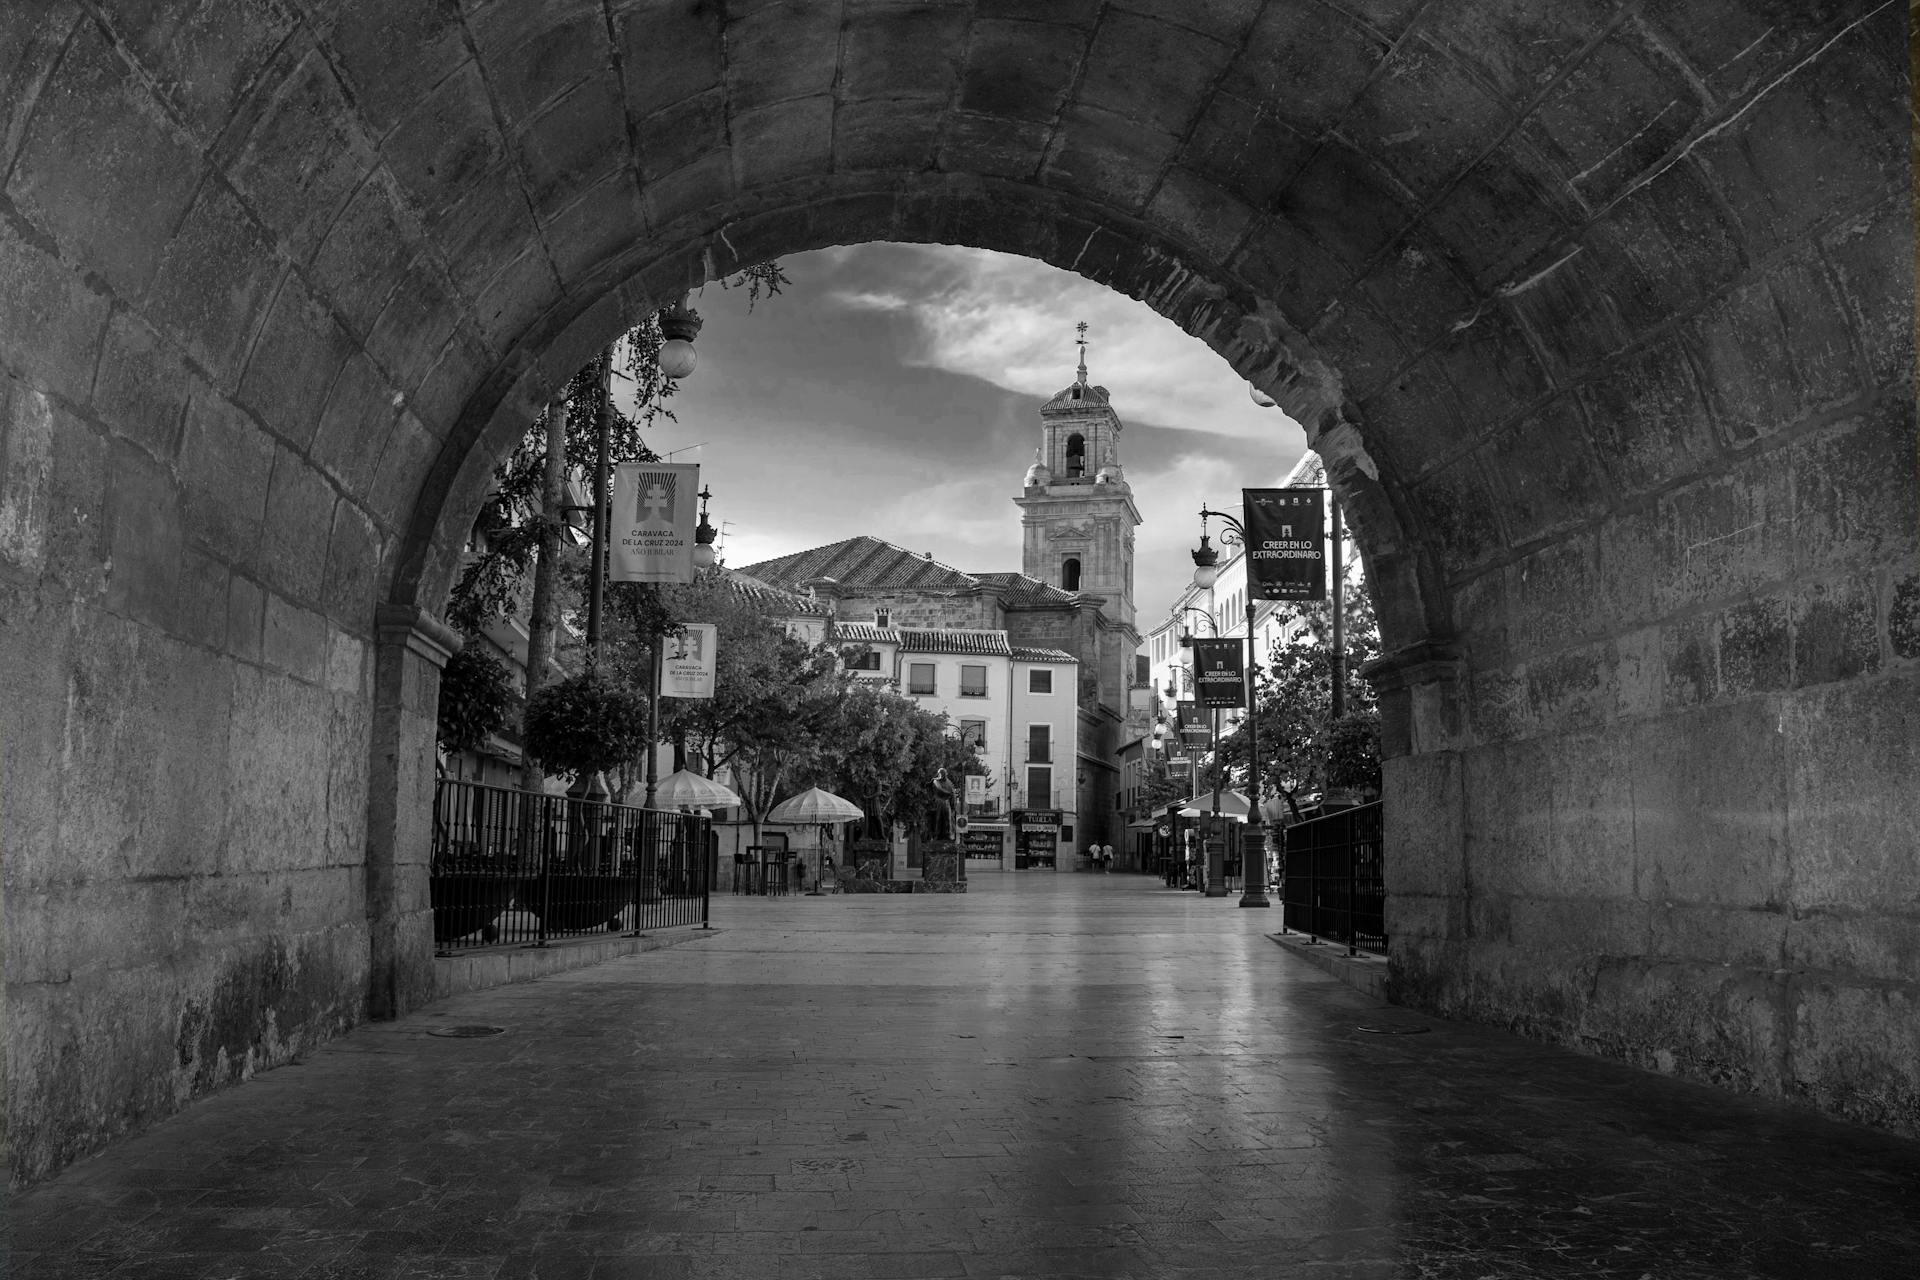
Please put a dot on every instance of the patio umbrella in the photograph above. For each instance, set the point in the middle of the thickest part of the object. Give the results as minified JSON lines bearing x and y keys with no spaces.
{"x":815,"y":805}
{"x":686,"y":789}
{"x":1232,"y":805}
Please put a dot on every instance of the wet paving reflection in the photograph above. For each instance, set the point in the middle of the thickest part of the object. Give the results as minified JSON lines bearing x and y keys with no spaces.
{"x":1056,"y":1075}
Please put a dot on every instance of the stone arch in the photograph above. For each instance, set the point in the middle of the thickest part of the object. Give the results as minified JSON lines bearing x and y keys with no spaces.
{"x":1599,"y":314}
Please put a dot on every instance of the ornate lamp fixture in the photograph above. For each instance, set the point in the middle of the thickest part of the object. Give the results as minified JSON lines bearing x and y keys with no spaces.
{"x":679,"y":326}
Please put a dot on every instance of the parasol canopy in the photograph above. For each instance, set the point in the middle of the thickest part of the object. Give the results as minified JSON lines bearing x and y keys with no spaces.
{"x":684,"y":788}
{"x":815,"y":805}
{"x":1232,"y":805}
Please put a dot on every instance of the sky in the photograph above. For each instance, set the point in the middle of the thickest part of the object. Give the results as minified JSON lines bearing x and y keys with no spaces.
{"x":894,"y":390}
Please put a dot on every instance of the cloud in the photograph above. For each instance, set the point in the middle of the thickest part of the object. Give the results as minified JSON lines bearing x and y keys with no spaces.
{"x":1010,"y":321}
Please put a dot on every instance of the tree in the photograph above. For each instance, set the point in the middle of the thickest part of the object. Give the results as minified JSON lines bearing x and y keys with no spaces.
{"x":514,"y":516}
{"x":1294,"y":697}
{"x":474,"y":698}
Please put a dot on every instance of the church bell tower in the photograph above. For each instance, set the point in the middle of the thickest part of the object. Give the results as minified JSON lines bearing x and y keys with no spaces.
{"x":1076,"y":513}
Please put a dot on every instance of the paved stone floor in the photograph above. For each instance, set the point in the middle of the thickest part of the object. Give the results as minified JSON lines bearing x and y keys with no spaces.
{"x":1054,"y":1076}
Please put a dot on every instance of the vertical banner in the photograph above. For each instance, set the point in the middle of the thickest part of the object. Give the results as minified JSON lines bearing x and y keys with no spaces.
{"x":650,"y":537}
{"x":1195,"y":729}
{"x":686,"y":665}
{"x":976,"y":788}
{"x":1220,"y":673}
{"x":1286,"y":543}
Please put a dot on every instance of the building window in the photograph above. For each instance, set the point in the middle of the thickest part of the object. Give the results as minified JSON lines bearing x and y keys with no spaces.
{"x":973,"y":682}
{"x":973,"y":733}
{"x":1039,"y":788}
{"x":919,"y":677}
{"x":1039,"y":742}
{"x":867,"y":660}
{"x":1039,"y":682}
{"x":1070,"y":574}
{"x":1076,"y":455}
{"x":881,"y":618}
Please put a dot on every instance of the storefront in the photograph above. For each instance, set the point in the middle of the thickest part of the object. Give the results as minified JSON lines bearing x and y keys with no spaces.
{"x":1036,"y":840}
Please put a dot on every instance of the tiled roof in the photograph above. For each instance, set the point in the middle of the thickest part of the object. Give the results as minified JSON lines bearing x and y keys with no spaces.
{"x":982,"y":642}
{"x":763,"y":593}
{"x":1018,"y":589}
{"x":1023,"y":654}
{"x":1089,"y":396}
{"x":862,"y":564}
{"x":864,"y":633}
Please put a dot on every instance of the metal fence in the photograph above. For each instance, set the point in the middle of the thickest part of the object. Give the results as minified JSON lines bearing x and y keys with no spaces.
{"x":510,"y":866}
{"x":1334,"y":884}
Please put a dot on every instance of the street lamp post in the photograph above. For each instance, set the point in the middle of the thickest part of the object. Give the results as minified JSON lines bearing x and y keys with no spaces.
{"x":1175,"y":676}
{"x":1216,"y":885}
{"x":1253,"y":850}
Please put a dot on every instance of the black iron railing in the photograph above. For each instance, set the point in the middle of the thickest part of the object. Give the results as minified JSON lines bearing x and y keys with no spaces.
{"x":1335,"y":885}
{"x":512,"y":867}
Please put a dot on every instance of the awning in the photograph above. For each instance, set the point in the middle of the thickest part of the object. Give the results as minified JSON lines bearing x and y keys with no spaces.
{"x":1232,"y":805}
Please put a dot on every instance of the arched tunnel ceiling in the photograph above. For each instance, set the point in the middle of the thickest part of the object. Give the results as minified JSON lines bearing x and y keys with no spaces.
{"x":1547,"y":256}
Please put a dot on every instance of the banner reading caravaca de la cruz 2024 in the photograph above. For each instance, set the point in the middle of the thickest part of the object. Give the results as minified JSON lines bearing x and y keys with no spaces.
{"x":687,"y":662}
{"x":650,"y":538}
{"x":1286,"y":543}
{"x":1219,"y":673}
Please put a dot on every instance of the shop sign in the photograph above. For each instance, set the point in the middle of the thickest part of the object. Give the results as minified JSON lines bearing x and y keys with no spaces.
{"x":1286,"y":543}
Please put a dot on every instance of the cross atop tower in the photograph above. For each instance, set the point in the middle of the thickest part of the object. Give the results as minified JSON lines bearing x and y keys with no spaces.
{"x":1081,"y":342}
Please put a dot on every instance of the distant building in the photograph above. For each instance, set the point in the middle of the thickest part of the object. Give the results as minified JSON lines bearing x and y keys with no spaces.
{"x":1065,"y":621}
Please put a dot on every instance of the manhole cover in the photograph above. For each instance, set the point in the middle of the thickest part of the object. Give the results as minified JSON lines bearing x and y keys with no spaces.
{"x":1394,"y":1031}
{"x":466,"y":1033}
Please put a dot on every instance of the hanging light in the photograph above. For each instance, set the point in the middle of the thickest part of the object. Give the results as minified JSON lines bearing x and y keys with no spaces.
{"x":1206,"y":561}
{"x":704,"y":556}
{"x":679,"y":326}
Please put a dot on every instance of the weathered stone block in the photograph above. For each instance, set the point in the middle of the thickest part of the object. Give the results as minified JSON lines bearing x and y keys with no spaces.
{"x":885,"y":135}
{"x":1846,"y":944}
{"x":1192,"y":211}
{"x":1585,"y":927}
{"x":680,"y":49}
{"x":1461,"y":511}
{"x":413,"y":327}
{"x":573,"y":144}
{"x":1709,"y":1022}
{"x":50,"y":328}
{"x":692,"y":190}
{"x":213,"y":283}
{"x":392,"y":55}
{"x":1751,"y":937}
{"x":1509,"y":818}
{"x":1854,"y":498}
{"x":1753,"y":645}
{"x":903,"y":54}
{"x":302,"y":160}
{"x":1873,"y":265}
{"x":1903,"y":616}
{"x":1649,"y":421}
{"x":1835,"y":636}
{"x":1012,"y":76}
{"x":293,"y":365}
{"x":1856,"y":1052}
{"x":778,"y":144}
{"x":100,"y":168}
{"x":276,"y":759}
{"x":144,"y":537}
{"x":294,"y":639}
{"x":1456,"y":119}
{"x":1710,"y":813}
{"x":779,"y":55}
{"x":597,"y":226}
{"x":187,"y":691}
{"x":1107,"y":157}
{"x":1852,"y":808}
{"x":363,"y":258}
{"x":246,"y":618}
{"x":226,"y":467}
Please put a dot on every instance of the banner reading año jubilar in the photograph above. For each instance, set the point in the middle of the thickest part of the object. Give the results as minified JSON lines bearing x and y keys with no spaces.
{"x":650,"y":535}
{"x":1219,"y":673}
{"x":1286,"y":543}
